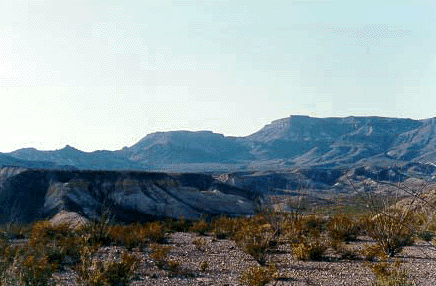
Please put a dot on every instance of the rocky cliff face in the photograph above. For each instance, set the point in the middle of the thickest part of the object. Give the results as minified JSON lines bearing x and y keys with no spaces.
{"x":27,"y":195}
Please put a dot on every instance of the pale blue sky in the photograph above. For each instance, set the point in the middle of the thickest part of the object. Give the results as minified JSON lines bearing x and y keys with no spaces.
{"x":103,"y":74}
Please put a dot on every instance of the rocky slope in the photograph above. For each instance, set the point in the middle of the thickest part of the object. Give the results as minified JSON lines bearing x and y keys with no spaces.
{"x":27,"y":195}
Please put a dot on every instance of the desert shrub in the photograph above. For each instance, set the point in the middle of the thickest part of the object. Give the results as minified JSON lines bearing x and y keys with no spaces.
{"x":309,"y":249}
{"x":390,"y":274}
{"x":275,"y":218}
{"x":127,"y":236}
{"x":174,"y":268}
{"x":178,"y":225}
{"x":204,"y":265}
{"x":15,"y":231}
{"x":49,"y":247}
{"x":93,"y":271}
{"x":136,"y":235}
{"x":426,"y":235}
{"x":392,"y":230}
{"x":258,"y":276}
{"x":159,"y":254}
{"x":224,"y":227}
{"x":6,"y":255}
{"x":428,"y":228}
{"x":36,"y":268}
{"x":372,"y":252}
{"x":302,"y":227}
{"x":58,"y":242}
{"x":153,"y":232}
{"x":200,"y":243}
{"x":97,"y":231}
{"x":342,"y":250}
{"x":254,"y":237}
{"x":29,"y":267}
{"x":201,"y":227}
{"x":342,"y":228}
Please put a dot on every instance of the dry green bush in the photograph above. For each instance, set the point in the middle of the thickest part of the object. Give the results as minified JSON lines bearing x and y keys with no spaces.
{"x":15,"y":231}
{"x":127,"y":236}
{"x":343,"y":250}
{"x":136,"y":235}
{"x":60,"y":244}
{"x":309,"y":249}
{"x":224,"y":227}
{"x":159,"y":254}
{"x":254,"y":236}
{"x":390,"y":274}
{"x":49,"y":247}
{"x":178,"y":225}
{"x":392,"y":229}
{"x":373,"y":252}
{"x":201,"y":227}
{"x":7,"y":254}
{"x":258,"y":276}
{"x":36,"y":268}
{"x":97,"y":231}
{"x":342,"y":228}
{"x":304,"y":226}
{"x":200,"y":243}
{"x":204,"y":265}
{"x":153,"y":232}
{"x":93,"y":271}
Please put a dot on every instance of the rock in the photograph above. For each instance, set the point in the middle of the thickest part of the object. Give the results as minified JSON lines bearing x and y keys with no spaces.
{"x":74,"y":220}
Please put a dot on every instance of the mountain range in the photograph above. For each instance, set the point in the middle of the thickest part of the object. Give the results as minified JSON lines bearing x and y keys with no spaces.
{"x":295,"y":141}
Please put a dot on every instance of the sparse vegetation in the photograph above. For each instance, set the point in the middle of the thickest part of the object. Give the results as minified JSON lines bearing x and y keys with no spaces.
{"x":258,"y":276}
{"x":201,"y":227}
{"x":342,"y":228}
{"x":309,"y":250}
{"x":93,"y":271}
{"x":50,"y":248}
{"x":392,"y":229}
{"x":390,"y":274}
{"x":159,"y":254}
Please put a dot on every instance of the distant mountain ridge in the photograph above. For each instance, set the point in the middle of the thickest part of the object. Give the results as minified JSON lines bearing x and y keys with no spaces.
{"x":293,"y":141}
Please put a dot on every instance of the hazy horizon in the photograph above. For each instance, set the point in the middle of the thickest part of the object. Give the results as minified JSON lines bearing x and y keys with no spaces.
{"x":101,"y":75}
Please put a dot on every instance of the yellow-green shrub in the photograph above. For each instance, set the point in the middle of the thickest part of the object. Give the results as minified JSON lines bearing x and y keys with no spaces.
{"x":392,"y":229}
{"x":200,"y":227}
{"x":309,"y":249}
{"x":95,"y":272}
{"x":153,"y":232}
{"x":159,"y":254}
{"x":258,"y":276}
{"x":200,"y":243}
{"x":342,"y":228}
{"x":255,"y":238}
{"x":224,"y":227}
{"x":390,"y":274}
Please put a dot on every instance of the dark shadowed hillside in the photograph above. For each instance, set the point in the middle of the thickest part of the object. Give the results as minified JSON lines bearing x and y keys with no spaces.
{"x":27,"y":195}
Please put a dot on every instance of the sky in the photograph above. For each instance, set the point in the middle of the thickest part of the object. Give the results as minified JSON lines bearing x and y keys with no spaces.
{"x":101,"y":75}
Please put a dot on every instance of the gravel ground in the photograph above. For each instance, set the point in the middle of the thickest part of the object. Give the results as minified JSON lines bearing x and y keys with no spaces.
{"x":226,"y":262}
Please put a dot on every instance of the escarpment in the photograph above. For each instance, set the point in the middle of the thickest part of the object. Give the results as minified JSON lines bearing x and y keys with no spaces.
{"x":27,"y":195}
